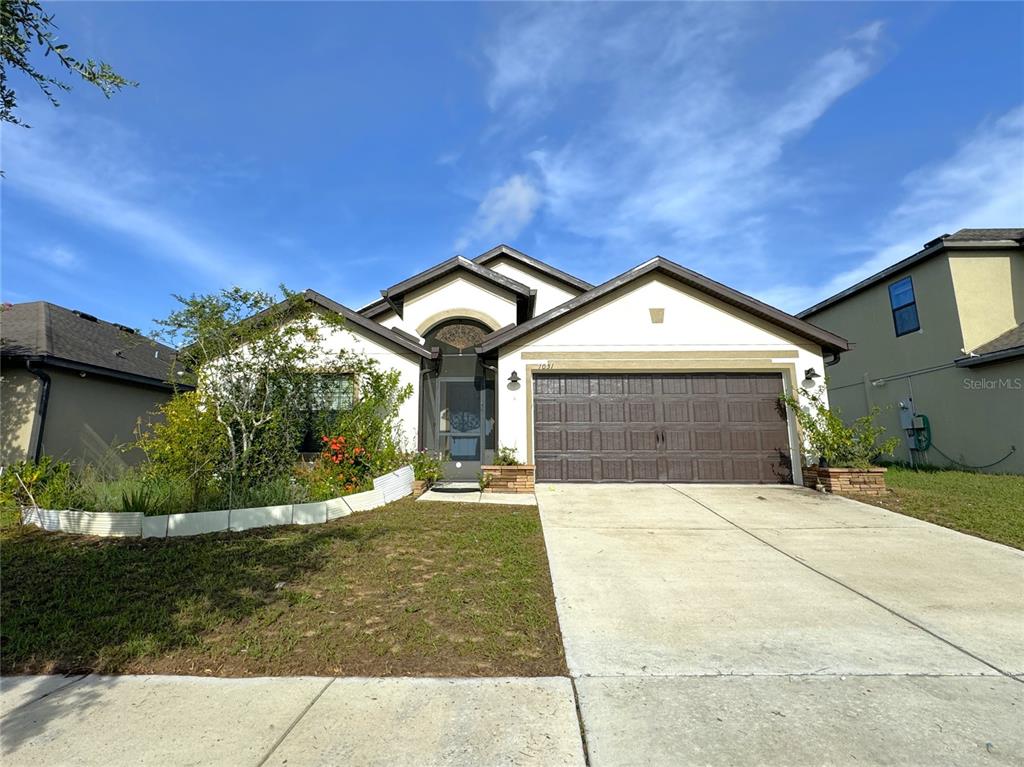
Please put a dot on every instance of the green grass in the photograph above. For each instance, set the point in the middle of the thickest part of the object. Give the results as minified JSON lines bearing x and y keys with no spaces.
{"x":989,"y":506}
{"x":410,"y":589}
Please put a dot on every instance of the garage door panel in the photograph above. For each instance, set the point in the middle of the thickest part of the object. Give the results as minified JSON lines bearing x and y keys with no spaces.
{"x":614,"y":469}
{"x":612,"y":412}
{"x":642,"y":440}
{"x":578,"y":440}
{"x":678,"y":441}
{"x":576,"y":385}
{"x":707,"y":440}
{"x":547,"y":385}
{"x":549,"y":469}
{"x":549,"y":441}
{"x":640,"y":384}
{"x":770,"y":411}
{"x":740,"y":412}
{"x":746,"y":470}
{"x":679,"y":469}
{"x":641,"y":412}
{"x":579,"y":470}
{"x":676,"y":411}
{"x":674,"y":427}
{"x":739,"y":385}
{"x":614,"y":385}
{"x":775,"y":441}
{"x":577,"y":412}
{"x":710,"y":470}
{"x":675,"y":384}
{"x":612,"y":441}
{"x":744,"y":440}
{"x":548,"y":412}
{"x":705,"y":411}
{"x":644,"y":470}
{"x":703,"y":384}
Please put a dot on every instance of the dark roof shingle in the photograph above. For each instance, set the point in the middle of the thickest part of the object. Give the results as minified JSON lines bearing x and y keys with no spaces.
{"x":42,"y":329}
{"x":1008,"y":345}
{"x":985,"y":235}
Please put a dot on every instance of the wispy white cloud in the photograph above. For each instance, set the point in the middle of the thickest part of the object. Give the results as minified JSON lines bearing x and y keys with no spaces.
{"x":448,"y":158}
{"x":674,"y":147}
{"x":981,"y":184}
{"x":503,"y":213}
{"x":96,"y":172}
{"x":57,"y":257}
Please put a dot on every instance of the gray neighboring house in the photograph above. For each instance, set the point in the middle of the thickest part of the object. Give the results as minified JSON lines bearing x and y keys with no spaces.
{"x":74,"y":386}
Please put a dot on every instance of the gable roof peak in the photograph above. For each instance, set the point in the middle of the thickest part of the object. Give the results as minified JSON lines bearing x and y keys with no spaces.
{"x":828,"y":341}
{"x":503,"y":250}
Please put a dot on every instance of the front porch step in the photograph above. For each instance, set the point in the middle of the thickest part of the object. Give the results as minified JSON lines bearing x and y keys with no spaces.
{"x":455,"y":486}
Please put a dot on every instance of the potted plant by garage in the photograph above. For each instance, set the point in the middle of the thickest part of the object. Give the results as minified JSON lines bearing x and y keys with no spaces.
{"x":844,"y":453}
{"x":427,"y":469}
{"x":507,"y":474}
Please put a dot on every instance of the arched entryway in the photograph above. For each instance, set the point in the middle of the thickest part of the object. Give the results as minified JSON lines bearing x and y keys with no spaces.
{"x":457,"y":398}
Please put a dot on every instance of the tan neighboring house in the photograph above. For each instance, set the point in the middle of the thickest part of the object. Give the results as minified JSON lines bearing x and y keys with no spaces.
{"x":74,"y":386}
{"x":939,"y":345}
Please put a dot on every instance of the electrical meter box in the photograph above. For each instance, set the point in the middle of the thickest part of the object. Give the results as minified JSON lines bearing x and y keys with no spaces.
{"x":907,"y":417}
{"x":918,"y":422}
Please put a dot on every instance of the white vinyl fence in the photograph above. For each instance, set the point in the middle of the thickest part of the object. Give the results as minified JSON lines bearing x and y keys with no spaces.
{"x":386,"y":489}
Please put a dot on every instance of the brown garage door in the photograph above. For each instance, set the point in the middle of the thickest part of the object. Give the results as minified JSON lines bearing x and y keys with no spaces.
{"x":724,"y":427}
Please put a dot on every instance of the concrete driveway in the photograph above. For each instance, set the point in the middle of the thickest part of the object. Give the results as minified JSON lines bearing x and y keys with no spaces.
{"x":774,"y":625}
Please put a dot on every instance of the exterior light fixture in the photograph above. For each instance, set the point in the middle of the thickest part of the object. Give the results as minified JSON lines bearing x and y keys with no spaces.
{"x":513,"y":379}
{"x":810,"y":374}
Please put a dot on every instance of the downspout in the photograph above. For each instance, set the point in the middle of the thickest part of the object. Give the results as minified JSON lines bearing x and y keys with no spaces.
{"x":44,"y":401}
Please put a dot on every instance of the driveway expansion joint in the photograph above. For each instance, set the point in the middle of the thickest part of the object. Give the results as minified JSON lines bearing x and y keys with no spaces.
{"x":846,"y":586}
{"x":295,"y":721}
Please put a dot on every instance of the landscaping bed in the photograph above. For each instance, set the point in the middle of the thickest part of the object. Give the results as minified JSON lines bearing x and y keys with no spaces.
{"x":445,"y":590}
{"x":990,"y":506}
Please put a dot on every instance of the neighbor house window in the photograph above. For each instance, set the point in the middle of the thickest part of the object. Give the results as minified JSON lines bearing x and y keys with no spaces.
{"x":904,"y":307}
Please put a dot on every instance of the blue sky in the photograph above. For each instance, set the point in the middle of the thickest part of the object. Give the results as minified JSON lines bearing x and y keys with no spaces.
{"x":785,"y":149}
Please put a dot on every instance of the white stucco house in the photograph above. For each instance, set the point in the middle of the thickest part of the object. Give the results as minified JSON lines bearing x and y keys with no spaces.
{"x":657,"y":375}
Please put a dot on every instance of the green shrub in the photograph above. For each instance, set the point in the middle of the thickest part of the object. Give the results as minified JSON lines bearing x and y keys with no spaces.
{"x":138,"y":499}
{"x":186,"y":447}
{"x":427,"y":466}
{"x":507,"y":456}
{"x":49,"y":484}
{"x":275,"y":492}
{"x":830,"y":439}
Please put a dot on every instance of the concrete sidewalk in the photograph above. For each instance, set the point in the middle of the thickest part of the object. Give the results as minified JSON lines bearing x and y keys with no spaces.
{"x":725,"y":625}
{"x":162,"y":720}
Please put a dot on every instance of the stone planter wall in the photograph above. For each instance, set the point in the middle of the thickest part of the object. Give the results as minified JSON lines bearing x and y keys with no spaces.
{"x":509,"y":479}
{"x":846,"y":481}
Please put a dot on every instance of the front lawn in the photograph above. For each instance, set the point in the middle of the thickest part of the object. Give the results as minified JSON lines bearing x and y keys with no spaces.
{"x":987,"y":505}
{"x":410,"y":589}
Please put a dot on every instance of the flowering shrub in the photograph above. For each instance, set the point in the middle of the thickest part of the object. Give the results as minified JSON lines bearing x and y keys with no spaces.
{"x":351,"y":463}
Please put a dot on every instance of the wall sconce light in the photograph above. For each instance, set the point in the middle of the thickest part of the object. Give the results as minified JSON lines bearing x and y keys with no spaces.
{"x":810,"y":374}
{"x":513,"y":380}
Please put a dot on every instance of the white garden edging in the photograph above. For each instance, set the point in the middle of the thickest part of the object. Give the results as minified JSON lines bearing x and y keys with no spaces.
{"x":117,"y":524}
{"x":386,"y":489}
